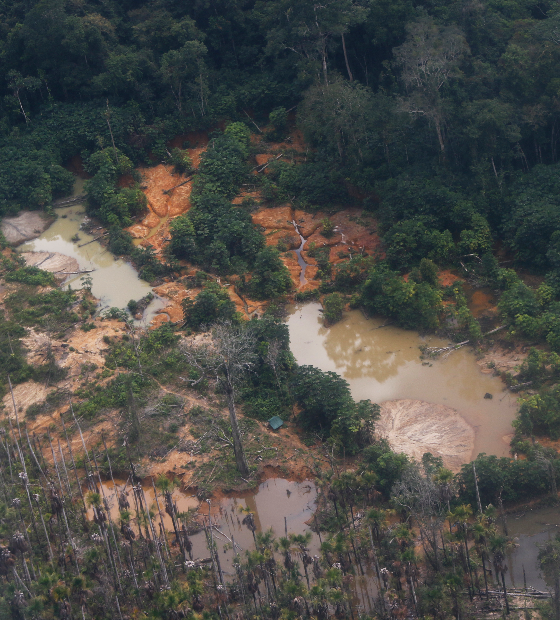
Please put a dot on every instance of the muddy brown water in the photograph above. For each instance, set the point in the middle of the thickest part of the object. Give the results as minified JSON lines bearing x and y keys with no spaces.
{"x":383,"y":363}
{"x":530,"y":528}
{"x":283,"y":505}
{"x":115,"y":282}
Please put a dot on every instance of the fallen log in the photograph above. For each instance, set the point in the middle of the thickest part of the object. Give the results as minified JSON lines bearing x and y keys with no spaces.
{"x":96,"y":238}
{"x":516,"y":388}
{"x":73,"y":273}
{"x":65,"y":202}
{"x":261,"y":167}
{"x":168,"y":191}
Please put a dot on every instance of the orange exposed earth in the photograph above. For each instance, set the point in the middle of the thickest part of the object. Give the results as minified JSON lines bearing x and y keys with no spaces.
{"x":168,"y":196}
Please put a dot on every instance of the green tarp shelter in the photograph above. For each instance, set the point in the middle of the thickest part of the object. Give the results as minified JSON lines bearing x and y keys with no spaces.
{"x":275,"y":422}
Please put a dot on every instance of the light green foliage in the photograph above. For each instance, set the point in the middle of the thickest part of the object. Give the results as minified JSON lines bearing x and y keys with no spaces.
{"x":327,"y":227}
{"x":241,"y":134}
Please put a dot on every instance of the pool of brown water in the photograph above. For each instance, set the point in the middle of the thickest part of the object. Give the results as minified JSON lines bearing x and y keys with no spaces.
{"x":530,"y":528}
{"x":114,"y":281}
{"x":382,"y":362}
{"x":280,"y":504}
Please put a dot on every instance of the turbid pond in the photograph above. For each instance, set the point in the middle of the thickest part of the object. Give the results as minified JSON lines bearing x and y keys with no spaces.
{"x":530,"y":528}
{"x":382,"y":362}
{"x":115,"y":282}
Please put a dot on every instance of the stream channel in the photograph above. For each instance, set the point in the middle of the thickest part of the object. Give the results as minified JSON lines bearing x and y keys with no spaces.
{"x":115,"y":282}
{"x":380,"y":362}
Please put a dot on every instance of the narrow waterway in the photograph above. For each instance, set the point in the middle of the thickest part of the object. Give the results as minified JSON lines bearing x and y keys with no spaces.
{"x":301,"y":262}
{"x":115,"y":282}
{"x":382,"y":362}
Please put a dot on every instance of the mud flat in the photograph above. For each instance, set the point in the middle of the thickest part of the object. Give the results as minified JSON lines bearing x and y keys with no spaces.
{"x":24,"y":227}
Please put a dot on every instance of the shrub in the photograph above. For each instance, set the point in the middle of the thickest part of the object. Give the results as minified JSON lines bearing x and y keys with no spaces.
{"x":211,"y":304}
{"x":333,"y":306}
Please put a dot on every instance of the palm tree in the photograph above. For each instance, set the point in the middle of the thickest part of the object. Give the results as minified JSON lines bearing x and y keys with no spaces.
{"x":482,"y":530}
{"x":167,"y":487}
{"x":443,"y":479}
{"x":461,"y":516}
{"x":498,"y":546}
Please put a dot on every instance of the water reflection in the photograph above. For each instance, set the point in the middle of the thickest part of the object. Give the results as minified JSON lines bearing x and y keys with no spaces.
{"x":530,"y":528}
{"x":383,"y":363}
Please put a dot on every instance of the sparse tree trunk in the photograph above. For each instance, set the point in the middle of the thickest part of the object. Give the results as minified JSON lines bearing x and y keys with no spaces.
{"x":350,"y":76}
{"x":240,"y":459}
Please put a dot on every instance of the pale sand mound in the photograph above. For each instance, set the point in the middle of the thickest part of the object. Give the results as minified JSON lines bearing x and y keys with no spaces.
{"x":58,"y":264}
{"x":416,"y":427}
{"x":27,"y":225}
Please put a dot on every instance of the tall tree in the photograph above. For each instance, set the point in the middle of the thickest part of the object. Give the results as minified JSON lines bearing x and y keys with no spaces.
{"x":429,"y":59}
{"x":229,"y":357}
{"x":306,"y":27}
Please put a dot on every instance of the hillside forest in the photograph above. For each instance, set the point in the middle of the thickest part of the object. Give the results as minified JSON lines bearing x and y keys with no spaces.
{"x":430,"y":127}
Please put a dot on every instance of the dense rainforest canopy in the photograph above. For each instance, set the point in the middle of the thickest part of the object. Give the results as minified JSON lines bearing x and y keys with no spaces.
{"x":441,"y":120}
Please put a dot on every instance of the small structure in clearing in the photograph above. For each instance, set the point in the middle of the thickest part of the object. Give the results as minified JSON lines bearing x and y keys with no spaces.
{"x":275,"y":422}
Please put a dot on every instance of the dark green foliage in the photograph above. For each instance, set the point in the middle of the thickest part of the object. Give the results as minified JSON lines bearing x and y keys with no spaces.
{"x":183,"y":243}
{"x":329,"y":409}
{"x":386,"y":464}
{"x":517,"y":481}
{"x":270,"y":278}
{"x":112,"y":205}
{"x":266,"y":392}
{"x":211,"y":304}
{"x":333,"y":306}
{"x":412,"y":304}
{"x":409,"y":241}
{"x":535,"y":217}
{"x":216,"y":233}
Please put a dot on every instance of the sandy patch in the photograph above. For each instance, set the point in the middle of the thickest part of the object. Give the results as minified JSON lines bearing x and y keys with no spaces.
{"x":416,"y":427}
{"x":24,"y":227}
{"x":58,"y":264}
{"x":25,"y":394}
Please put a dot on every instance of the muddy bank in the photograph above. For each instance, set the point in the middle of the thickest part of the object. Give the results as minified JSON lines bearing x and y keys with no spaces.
{"x":416,"y":427}
{"x":24,"y":227}
{"x":58,"y":264}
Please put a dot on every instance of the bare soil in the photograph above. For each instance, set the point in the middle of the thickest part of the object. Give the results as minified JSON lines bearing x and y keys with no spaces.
{"x":25,"y":226}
